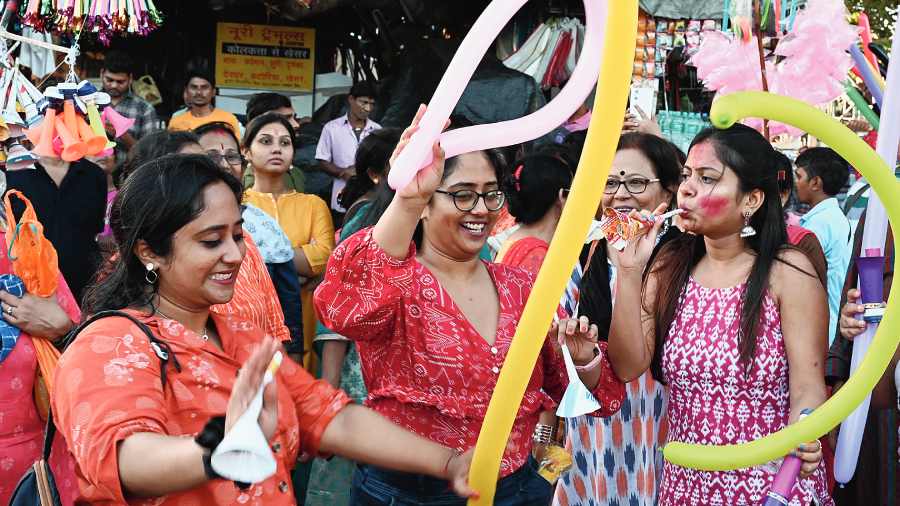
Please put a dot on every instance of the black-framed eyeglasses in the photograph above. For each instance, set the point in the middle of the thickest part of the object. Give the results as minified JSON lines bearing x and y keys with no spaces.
{"x":466,"y":200}
{"x":231,"y":158}
{"x":634,"y":185}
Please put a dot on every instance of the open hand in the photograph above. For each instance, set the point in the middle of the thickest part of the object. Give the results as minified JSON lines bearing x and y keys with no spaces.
{"x":247,"y":384}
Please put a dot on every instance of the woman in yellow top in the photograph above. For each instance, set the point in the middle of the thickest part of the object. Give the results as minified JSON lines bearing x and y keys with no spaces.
{"x":269,"y":149}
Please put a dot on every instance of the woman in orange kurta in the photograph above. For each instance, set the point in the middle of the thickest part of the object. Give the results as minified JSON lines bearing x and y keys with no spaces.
{"x":306,"y":219}
{"x":130,"y":409}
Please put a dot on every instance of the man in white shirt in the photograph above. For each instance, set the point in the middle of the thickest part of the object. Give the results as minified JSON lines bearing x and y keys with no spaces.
{"x":340,"y":138}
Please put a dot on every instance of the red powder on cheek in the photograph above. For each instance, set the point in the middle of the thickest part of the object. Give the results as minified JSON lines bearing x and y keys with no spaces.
{"x":713,"y":206}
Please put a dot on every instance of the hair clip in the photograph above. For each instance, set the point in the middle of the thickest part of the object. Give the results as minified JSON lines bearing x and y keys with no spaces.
{"x":782,"y":175}
{"x":517,"y":174}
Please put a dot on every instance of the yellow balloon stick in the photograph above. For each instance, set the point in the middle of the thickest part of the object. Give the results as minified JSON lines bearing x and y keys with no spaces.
{"x":587,"y":190}
{"x":725,"y":112}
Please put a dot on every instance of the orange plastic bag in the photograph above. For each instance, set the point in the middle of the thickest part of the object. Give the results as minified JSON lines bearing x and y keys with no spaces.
{"x":47,"y":359}
{"x":32,"y":256}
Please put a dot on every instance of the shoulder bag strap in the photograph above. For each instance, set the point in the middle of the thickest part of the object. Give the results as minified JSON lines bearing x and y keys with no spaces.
{"x":160,"y":347}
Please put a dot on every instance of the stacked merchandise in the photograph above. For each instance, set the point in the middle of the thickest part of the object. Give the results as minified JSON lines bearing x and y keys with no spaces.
{"x":657,"y":37}
{"x":551,"y":52}
{"x":681,"y":127}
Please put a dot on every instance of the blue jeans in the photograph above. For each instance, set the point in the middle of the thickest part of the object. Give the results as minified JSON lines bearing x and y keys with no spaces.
{"x":374,"y":486}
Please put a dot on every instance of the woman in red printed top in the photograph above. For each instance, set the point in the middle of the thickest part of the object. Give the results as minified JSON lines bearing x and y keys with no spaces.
{"x":433,"y":325}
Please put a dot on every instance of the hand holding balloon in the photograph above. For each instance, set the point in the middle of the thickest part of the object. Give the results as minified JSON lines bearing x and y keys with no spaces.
{"x":421,"y":188}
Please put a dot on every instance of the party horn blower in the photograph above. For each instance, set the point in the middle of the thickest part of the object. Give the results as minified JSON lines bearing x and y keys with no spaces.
{"x":95,"y":143}
{"x":18,"y":157}
{"x":871,"y":279}
{"x":244,"y":454}
{"x":96,"y":123}
{"x":120,"y":123}
{"x":72,"y":147}
{"x":47,"y":130}
{"x":780,"y":492}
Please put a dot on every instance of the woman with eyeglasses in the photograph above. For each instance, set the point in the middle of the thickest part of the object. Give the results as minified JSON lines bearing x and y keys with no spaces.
{"x":221,"y":145}
{"x":433,"y":324}
{"x":621,"y":451}
{"x":268,"y":147}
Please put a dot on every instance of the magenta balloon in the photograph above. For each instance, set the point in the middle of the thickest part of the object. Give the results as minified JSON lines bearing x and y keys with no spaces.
{"x":465,"y":140}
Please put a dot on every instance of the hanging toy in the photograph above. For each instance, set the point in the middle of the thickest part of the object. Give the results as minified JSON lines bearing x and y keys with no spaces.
{"x":106,"y":18}
{"x":741,"y":15}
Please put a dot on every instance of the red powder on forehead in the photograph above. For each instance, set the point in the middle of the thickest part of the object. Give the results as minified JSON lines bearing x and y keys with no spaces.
{"x":713,"y":205}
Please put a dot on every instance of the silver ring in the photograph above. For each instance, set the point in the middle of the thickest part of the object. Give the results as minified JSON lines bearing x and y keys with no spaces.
{"x":9,"y":310}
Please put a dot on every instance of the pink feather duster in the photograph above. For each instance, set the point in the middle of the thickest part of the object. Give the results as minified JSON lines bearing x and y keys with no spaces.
{"x":813,"y":60}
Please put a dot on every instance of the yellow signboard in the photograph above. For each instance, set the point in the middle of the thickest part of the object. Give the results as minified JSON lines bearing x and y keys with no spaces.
{"x":265,"y":57}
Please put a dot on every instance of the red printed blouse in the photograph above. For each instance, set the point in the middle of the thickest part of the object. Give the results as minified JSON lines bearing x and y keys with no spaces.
{"x":426,"y":368}
{"x":108,"y":387}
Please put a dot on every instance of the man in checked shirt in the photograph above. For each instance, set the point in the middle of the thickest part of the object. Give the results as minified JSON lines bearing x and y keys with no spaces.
{"x":116,"y":77}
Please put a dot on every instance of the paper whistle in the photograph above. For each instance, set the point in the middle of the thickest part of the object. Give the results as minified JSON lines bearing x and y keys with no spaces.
{"x":620,"y":228}
{"x":871,"y":285}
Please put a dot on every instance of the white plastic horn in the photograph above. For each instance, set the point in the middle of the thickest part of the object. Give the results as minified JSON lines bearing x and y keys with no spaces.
{"x":244,"y":454}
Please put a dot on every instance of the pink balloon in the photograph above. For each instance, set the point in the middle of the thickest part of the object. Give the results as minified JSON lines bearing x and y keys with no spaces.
{"x":475,"y":138}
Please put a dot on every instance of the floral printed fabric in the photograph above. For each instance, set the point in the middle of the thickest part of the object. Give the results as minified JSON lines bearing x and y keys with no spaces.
{"x":272,"y":242}
{"x":427,"y":369}
{"x":108,"y":388}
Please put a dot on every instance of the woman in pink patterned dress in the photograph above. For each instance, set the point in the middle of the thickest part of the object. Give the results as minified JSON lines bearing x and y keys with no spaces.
{"x":21,"y":428}
{"x":731,"y":318}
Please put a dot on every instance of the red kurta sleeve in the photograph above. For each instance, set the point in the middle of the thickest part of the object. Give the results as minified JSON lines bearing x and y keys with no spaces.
{"x":317,"y":404}
{"x":107,"y":388}
{"x":364,"y":288}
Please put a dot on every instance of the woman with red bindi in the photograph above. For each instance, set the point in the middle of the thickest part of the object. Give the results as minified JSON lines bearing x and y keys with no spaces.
{"x":730,"y":317}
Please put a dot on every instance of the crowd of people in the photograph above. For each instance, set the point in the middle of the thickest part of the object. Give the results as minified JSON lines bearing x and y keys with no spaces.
{"x":192,"y":254}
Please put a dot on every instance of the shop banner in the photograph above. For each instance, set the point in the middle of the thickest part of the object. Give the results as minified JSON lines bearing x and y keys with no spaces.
{"x":265,"y":57}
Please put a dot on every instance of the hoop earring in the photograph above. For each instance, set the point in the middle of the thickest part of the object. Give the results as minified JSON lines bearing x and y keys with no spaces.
{"x":152,"y":276}
{"x":748,"y":230}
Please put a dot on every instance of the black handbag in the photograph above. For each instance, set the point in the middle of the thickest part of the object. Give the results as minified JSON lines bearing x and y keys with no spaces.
{"x":38,"y":487}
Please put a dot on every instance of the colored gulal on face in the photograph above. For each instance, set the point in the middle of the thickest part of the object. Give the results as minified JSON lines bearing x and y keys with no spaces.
{"x":712,"y":205}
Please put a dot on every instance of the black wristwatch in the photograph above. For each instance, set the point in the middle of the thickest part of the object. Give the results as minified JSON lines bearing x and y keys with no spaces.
{"x":209,"y":438}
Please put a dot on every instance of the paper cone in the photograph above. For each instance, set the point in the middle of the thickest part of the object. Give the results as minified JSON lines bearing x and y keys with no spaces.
{"x":244,"y":454}
{"x":577,"y":400}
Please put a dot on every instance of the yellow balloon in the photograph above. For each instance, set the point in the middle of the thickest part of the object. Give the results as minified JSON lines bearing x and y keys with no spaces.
{"x":599,"y":150}
{"x":725,"y":112}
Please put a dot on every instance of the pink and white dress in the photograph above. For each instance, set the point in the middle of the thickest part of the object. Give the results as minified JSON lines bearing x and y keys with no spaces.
{"x":714,"y":399}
